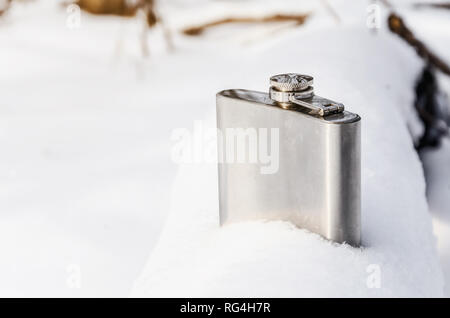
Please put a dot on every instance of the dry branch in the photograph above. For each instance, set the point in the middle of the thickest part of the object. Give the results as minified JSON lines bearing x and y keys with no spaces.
{"x":125,"y":8}
{"x":397,"y":26}
{"x":113,"y":7}
{"x":299,"y":19}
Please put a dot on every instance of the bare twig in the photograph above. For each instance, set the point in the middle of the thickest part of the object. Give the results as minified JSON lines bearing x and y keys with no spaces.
{"x":331,"y":11}
{"x":397,"y":26}
{"x":153,"y":18}
{"x":386,"y":3}
{"x":299,"y":19}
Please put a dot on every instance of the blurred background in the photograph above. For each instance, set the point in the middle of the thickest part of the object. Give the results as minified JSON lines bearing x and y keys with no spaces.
{"x":91,"y":90}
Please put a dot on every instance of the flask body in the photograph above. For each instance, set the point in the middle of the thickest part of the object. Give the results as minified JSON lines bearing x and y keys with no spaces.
{"x":313,"y":177}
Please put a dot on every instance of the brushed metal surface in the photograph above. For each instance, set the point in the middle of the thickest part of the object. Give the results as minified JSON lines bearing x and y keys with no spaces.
{"x":317,"y":185}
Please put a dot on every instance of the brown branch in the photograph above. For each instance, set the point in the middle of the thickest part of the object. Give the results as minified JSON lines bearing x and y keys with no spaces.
{"x":397,"y":26}
{"x":109,"y":7}
{"x":196,"y":30}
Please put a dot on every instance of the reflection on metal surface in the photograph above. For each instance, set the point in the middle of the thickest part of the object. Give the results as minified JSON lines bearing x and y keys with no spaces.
{"x":317,"y":182}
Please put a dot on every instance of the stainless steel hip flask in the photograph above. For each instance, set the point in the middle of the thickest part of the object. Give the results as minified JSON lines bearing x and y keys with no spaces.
{"x":290,"y":155}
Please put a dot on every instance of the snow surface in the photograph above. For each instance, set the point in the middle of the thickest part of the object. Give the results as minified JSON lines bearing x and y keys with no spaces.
{"x":433,"y":27}
{"x":373,"y":75}
{"x":437,"y":168}
{"x":85,"y":169}
{"x":86,"y":174}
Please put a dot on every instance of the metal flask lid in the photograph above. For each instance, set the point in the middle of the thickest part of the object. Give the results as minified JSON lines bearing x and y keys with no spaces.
{"x":293,"y":88}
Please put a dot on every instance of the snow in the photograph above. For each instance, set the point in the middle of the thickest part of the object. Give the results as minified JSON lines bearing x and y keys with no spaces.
{"x":85,"y":160}
{"x":438,"y":191}
{"x":86,"y":178}
{"x":373,"y":76}
{"x":432,"y":26}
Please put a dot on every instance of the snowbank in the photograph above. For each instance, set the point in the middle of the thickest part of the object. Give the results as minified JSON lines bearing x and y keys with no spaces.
{"x":85,"y":164}
{"x":373,"y":76}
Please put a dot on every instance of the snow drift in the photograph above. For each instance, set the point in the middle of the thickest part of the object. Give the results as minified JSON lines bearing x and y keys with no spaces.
{"x":373,"y":76}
